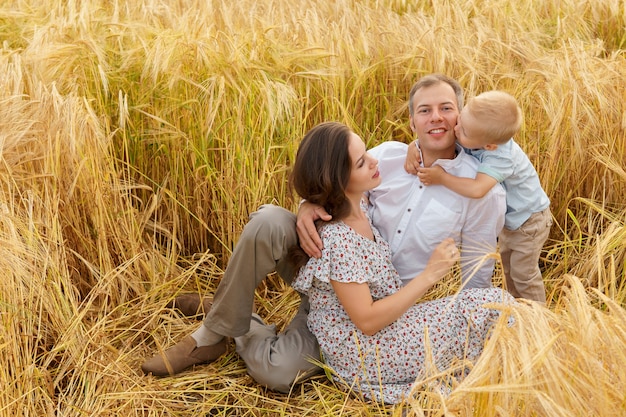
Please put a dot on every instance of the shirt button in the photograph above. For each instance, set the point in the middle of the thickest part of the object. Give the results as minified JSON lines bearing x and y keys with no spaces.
{"x":399,"y":231}
{"x":408,"y":209}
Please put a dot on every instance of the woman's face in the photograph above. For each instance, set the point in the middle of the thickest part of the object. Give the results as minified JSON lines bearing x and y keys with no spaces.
{"x":364,"y":174}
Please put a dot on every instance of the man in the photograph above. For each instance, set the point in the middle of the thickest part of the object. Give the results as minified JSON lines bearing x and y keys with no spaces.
{"x":413,"y":218}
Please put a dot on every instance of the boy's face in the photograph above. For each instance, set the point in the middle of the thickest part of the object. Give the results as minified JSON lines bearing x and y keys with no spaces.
{"x":466,"y":126}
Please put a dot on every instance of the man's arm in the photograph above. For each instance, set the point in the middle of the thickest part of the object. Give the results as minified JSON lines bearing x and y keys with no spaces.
{"x":309,"y":239}
{"x":468,"y":187}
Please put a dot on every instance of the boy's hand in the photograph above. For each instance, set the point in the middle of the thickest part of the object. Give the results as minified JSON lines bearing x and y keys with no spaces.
{"x":413,"y":160}
{"x":431,"y":176}
{"x":310,"y":240}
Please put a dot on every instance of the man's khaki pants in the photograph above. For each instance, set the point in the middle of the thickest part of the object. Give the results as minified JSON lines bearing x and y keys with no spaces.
{"x":274,"y":360}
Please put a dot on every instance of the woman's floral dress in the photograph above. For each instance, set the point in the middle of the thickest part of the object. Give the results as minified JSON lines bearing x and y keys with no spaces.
{"x":385,"y":365}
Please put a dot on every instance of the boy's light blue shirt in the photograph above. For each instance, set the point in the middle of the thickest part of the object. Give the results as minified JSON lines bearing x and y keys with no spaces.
{"x":509,"y":165}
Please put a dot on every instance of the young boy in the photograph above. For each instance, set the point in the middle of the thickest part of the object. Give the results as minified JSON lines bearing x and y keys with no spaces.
{"x":485,"y":128}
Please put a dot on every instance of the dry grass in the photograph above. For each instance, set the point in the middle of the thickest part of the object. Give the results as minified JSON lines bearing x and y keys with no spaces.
{"x":136,"y":137}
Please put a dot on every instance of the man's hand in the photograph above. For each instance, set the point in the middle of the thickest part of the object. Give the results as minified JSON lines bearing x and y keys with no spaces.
{"x":431,"y":176}
{"x":310,"y":240}
{"x":413,"y":159}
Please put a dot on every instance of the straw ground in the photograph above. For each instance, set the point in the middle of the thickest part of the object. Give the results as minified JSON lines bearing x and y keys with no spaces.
{"x":137,"y":136}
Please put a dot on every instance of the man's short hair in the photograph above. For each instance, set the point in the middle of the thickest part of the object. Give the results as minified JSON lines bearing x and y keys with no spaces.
{"x":434,"y":79}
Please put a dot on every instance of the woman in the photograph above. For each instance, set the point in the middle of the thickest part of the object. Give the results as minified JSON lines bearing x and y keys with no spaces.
{"x":370,"y":331}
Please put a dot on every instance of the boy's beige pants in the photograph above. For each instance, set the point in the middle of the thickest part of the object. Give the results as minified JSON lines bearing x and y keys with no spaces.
{"x":520,"y":250}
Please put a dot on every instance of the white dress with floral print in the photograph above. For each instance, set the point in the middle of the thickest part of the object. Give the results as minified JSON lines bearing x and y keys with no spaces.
{"x":385,"y":365}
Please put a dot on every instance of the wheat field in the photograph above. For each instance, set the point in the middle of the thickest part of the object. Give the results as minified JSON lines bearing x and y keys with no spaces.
{"x":137,"y":136}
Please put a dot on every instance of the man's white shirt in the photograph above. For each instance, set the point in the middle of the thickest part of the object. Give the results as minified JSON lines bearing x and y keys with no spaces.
{"x":414,"y":218}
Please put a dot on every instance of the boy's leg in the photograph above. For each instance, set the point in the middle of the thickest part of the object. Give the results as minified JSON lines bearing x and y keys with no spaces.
{"x":520,"y":250}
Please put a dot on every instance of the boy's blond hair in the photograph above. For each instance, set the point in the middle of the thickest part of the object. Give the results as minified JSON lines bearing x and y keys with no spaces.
{"x":498,"y":115}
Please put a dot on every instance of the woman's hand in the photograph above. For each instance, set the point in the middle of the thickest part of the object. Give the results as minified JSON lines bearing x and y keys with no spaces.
{"x":310,"y":240}
{"x":443,"y":258}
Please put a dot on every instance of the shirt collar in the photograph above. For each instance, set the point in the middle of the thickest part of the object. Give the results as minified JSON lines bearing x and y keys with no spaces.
{"x":450,"y":163}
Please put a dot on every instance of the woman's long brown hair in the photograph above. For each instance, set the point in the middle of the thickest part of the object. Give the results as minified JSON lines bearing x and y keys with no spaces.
{"x":321,"y":173}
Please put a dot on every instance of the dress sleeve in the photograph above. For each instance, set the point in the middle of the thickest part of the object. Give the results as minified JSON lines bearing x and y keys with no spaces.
{"x":344,"y":259}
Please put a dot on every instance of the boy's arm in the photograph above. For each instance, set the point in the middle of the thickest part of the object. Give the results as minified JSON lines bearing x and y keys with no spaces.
{"x":468,"y":187}
{"x":413,"y":158}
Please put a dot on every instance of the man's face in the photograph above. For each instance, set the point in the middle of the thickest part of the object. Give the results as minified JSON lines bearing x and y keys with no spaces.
{"x":435,"y":110}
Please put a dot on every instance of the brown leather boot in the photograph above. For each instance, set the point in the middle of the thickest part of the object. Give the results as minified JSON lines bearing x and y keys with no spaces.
{"x":191,"y":305}
{"x":183,"y":355}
